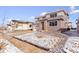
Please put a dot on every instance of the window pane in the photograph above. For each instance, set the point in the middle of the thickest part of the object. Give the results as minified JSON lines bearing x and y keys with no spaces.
{"x":55,"y":23}
{"x":52,"y":23}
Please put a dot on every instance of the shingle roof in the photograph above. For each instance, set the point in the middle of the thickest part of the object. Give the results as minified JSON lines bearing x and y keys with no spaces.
{"x":20,"y":21}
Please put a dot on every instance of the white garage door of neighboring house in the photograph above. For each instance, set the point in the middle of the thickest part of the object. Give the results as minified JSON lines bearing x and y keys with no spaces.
{"x":27,"y":27}
{"x":24,"y":27}
{"x":19,"y":28}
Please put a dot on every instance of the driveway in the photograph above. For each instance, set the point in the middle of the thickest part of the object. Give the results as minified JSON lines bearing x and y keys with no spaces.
{"x":72,"y":33}
{"x":72,"y":44}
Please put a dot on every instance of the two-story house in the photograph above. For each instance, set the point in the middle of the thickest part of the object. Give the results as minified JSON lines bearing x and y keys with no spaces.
{"x":53,"y":21}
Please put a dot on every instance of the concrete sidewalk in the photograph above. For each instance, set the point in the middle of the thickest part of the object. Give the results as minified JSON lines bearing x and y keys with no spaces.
{"x":7,"y":47}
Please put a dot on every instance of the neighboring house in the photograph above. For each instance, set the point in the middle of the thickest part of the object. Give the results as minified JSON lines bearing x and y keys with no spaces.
{"x":53,"y":21}
{"x":19,"y":25}
{"x":78,"y":25}
{"x":70,"y":25}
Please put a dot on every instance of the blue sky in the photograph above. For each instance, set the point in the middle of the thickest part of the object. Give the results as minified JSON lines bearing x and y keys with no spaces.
{"x":27,"y":13}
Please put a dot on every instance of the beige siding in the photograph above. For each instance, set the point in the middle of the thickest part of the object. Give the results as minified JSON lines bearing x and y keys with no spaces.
{"x":62,"y":22}
{"x":55,"y":27}
{"x":60,"y":14}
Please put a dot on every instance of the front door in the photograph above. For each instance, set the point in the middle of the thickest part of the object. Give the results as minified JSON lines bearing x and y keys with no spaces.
{"x":42,"y":23}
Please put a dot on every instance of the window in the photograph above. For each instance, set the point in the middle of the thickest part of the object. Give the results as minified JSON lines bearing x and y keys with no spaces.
{"x":53,"y":23}
{"x":53,"y":15}
{"x":30,"y":25}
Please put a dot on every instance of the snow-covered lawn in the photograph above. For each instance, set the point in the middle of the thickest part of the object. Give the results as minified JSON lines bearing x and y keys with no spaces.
{"x":9,"y":48}
{"x":45,"y":41}
{"x":72,"y":45}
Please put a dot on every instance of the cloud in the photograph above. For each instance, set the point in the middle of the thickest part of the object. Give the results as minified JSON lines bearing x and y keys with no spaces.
{"x":43,"y":13}
{"x":73,"y":10}
{"x":8,"y":20}
{"x":31,"y":18}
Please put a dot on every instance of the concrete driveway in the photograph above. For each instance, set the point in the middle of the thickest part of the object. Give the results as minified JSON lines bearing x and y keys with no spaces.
{"x":72,"y":44}
{"x":72,"y":33}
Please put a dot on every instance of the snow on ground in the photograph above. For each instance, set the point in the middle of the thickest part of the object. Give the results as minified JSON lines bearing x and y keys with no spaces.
{"x":45,"y":41}
{"x":9,"y":48}
{"x":72,"y":45}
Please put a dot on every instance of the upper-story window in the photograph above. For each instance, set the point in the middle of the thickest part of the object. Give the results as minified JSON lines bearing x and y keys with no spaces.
{"x":53,"y":15}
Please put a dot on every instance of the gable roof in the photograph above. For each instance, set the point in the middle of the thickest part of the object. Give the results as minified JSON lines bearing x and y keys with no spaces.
{"x":52,"y":13}
{"x":21,"y":21}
